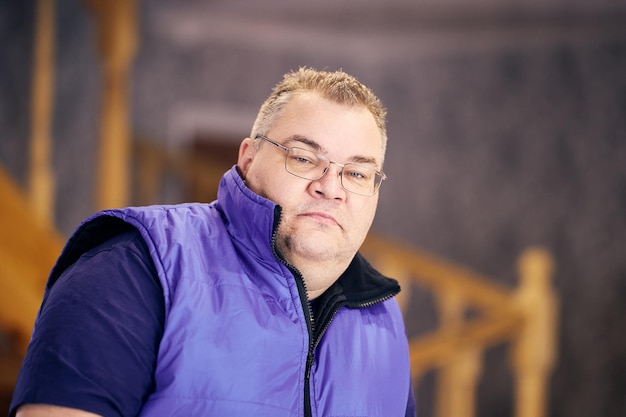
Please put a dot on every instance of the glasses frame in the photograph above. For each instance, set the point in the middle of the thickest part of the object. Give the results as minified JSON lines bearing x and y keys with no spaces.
{"x":377,"y":185}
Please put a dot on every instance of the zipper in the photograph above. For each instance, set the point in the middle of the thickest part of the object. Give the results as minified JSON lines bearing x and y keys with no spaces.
{"x":318,"y":338}
{"x":314,"y":337}
{"x":306,"y":308}
{"x":336,"y":308}
{"x":382,"y":299}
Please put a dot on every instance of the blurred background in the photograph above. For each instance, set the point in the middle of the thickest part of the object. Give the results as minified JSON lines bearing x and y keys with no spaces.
{"x":507,"y":127}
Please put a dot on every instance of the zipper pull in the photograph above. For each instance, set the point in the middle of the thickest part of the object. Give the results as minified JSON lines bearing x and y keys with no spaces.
{"x":309,"y":364}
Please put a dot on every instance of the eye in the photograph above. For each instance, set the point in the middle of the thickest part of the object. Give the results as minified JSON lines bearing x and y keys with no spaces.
{"x":302,"y":160}
{"x":357,"y":174}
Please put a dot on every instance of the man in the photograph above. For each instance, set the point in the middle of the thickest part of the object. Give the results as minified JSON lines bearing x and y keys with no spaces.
{"x":255,"y":305}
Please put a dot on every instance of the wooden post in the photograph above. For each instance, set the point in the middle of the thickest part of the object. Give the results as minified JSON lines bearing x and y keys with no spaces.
{"x":117,"y":43}
{"x":41,"y":178}
{"x":534,"y":350}
{"x":456,"y":383}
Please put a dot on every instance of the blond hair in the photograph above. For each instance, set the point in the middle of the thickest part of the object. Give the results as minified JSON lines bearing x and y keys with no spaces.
{"x":338,"y":87}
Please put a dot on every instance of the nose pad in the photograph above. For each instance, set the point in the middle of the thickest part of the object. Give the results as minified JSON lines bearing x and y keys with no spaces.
{"x":329,"y":185}
{"x":339,"y":170}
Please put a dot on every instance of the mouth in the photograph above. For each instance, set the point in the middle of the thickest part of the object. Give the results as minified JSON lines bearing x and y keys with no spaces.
{"x":321,"y":217}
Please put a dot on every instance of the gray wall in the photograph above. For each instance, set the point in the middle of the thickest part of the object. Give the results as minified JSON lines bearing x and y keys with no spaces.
{"x":507,"y":128}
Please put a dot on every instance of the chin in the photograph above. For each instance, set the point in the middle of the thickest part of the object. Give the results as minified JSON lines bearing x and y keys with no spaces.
{"x":320,"y":249}
{"x":315,"y":243}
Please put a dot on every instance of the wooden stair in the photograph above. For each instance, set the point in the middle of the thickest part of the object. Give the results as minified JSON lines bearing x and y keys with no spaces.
{"x":28,"y":250}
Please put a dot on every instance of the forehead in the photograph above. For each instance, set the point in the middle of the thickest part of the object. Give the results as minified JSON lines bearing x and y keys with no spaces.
{"x":341,"y":132}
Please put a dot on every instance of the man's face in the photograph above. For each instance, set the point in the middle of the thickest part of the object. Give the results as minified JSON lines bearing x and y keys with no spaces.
{"x":320,"y":220}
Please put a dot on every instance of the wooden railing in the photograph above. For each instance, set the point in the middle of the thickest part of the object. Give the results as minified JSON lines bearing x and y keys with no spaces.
{"x":525,"y":318}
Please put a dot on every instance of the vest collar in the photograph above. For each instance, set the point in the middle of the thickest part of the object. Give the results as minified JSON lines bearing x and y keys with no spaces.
{"x":252,"y":219}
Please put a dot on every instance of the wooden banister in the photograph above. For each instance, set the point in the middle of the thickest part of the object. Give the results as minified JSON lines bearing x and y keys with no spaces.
{"x":525,"y":318}
{"x":436,"y":349}
{"x":437,"y":274}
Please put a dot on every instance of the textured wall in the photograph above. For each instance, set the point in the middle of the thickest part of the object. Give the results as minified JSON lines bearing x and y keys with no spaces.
{"x":507,"y":130}
{"x":511,"y":148}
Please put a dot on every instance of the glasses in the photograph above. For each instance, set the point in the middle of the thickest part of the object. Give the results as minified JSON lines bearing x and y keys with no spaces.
{"x":309,"y":165}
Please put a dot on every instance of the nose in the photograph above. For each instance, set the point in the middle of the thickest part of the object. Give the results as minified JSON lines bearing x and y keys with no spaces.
{"x":329,"y":186}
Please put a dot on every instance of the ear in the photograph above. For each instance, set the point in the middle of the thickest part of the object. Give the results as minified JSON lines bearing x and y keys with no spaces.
{"x":246,"y":155}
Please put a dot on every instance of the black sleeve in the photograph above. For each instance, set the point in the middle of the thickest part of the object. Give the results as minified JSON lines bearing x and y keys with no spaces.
{"x":95,"y":342}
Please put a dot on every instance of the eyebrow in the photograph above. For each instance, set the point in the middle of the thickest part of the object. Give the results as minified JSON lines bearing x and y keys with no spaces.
{"x":355,"y":159}
{"x":306,"y":141}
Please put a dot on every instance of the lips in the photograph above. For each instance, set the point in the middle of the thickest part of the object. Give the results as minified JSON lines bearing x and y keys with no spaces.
{"x":321,"y":217}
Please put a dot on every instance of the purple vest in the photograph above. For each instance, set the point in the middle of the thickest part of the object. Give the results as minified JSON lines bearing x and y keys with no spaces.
{"x":236,"y":338}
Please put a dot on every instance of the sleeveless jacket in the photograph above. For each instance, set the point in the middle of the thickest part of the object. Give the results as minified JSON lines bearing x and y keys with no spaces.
{"x":239,"y":336}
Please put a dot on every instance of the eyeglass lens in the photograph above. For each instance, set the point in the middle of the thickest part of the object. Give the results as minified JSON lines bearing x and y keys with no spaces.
{"x":310,"y":165}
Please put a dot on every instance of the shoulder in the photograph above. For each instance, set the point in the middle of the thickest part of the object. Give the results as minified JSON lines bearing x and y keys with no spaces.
{"x":108,"y":304}
{"x":153,"y":223}
{"x":172,"y":211}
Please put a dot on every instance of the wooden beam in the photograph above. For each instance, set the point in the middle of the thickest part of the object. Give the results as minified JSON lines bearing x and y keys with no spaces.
{"x":116,"y":30}
{"x":41,"y":177}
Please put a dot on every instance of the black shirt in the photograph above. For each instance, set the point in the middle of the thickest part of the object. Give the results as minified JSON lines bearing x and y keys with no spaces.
{"x":95,"y":341}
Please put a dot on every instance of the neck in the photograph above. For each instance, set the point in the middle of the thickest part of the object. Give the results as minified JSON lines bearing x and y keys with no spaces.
{"x":318,"y":276}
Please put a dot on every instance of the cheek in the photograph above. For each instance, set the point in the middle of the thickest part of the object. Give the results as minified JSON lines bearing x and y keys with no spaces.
{"x":262,"y":181}
{"x":274,"y":186}
{"x":288,"y":198}
{"x":255,"y":183}
{"x":364,"y":216}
